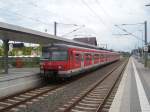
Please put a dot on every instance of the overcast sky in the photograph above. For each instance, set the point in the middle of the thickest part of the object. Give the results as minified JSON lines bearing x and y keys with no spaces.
{"x":98,"y":16}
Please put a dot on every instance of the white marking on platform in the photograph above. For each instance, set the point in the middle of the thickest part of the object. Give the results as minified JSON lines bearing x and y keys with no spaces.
{"x":145,"y":106}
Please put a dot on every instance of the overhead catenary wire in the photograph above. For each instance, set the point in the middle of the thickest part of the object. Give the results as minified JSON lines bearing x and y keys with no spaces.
{"x":37,"y":6}
{"x":68,"y":24}
{"x":27,"y":17}
{"x":34,"y":19}
{"x":51,"y":24}
{"x":62,"y":23}
{"x":132,"y":24}
{"x":104,"y":11}
{"x":129,"y":33}
{"x":91,"y":10}
{"x":73,"y":31}
{"x":81,"y":35}
{"x":101,"y":20}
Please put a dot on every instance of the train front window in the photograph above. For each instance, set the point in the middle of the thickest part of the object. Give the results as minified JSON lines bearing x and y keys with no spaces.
{"x":45,"y":55}
{"x":59,"y":55}
{"x":55,"y":55}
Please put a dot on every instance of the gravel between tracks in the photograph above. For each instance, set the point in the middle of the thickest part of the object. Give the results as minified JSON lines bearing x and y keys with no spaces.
{"x":60,"y":97}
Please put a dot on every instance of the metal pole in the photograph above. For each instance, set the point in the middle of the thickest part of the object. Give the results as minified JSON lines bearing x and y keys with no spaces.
{"x":142,"y":39}
{"x":6,"y":49}
{"x":55,"y":28}
{"x":146,"y":53}
{"x":142,"y":44}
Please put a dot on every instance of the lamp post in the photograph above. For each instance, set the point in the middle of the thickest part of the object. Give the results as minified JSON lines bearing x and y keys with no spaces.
{"x":55,"y":28}
{"x":142,"y":44}
{"x":147,"y":5}
{"x":146,"y":52}
{"x":145,"y":29}
{"x":142,"y":37}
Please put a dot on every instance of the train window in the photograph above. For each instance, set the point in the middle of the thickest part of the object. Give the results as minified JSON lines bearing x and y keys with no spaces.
{"x":71,"y":56}
{"x":96,"y":56}
{"x":101,"y":56}
{"x":59,"y":55}
{"x":106,"y":55}
{"x":55,"y":55}
{"x":88,"y":57}
{"x":93,"y":57}
{"x":45,"y":55}
{"x":82,"y":57}
{"x":78,"y":57}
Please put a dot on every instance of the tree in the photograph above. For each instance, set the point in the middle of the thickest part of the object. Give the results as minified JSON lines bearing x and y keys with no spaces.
{"x":1,"y":50}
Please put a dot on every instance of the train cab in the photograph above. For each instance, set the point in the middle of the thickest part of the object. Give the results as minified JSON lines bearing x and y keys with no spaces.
{"x":61,"y":60}
{"x":53,"y":59}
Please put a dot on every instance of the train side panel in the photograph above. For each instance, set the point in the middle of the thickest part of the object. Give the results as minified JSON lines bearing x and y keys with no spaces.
{"x":79,"y":60}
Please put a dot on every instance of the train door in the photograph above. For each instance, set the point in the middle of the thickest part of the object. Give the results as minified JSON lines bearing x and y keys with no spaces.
{"x":96,"y":58}
{"x":92,"y":58}
{"x":107,"y":58}
{"x":71,"y":57}
{"x":77,"y":60}
{"x":82,"y":60}
{"x":101,"y":58}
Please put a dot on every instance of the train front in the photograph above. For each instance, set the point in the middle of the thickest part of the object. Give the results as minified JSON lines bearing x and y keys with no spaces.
{"x":54,"y":60}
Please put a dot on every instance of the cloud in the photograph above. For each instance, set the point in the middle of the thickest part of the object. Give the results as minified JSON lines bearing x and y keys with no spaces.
{"x":99,"y":17}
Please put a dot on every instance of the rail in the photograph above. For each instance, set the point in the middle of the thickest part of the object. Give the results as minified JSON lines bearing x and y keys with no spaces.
{"x":96,"y":95}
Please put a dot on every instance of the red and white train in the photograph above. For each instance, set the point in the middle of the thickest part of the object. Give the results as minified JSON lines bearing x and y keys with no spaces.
{"x":63,"y":60}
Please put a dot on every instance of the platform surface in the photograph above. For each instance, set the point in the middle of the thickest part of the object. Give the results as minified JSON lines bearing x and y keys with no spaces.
{"x":133,"y":94}
{"x":19,"y":73}
{"x":19,"y":79}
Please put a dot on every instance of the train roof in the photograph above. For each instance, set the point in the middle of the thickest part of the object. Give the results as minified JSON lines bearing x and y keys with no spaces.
{"x":65,"y":46}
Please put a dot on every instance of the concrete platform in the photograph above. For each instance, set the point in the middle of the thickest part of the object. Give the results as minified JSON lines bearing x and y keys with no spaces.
{"x":133,"y":94}
{"x":18,"y":79}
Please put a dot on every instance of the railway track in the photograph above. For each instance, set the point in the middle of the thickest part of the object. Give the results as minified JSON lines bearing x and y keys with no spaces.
{"x":107,"y":104}
{"x":15,"y":102}
{"x":99,"y":96}
{"x":12,"y":103}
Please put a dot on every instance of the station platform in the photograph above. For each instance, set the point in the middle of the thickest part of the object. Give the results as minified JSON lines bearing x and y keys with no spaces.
{"x":18,"y":79}
{"x":133,"y":94}
{"x":18,"y":72}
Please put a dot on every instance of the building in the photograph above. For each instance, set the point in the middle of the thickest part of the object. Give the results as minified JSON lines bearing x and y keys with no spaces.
{"x":87,"y":40}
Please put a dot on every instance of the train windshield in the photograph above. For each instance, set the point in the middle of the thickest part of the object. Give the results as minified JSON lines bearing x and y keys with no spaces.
{"x":58,"y":55}
{"x":55,"y":55}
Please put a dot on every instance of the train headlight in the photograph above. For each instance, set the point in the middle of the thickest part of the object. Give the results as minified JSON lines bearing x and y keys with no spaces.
{"x":41,"y":66}
{"x":59,"y":67}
